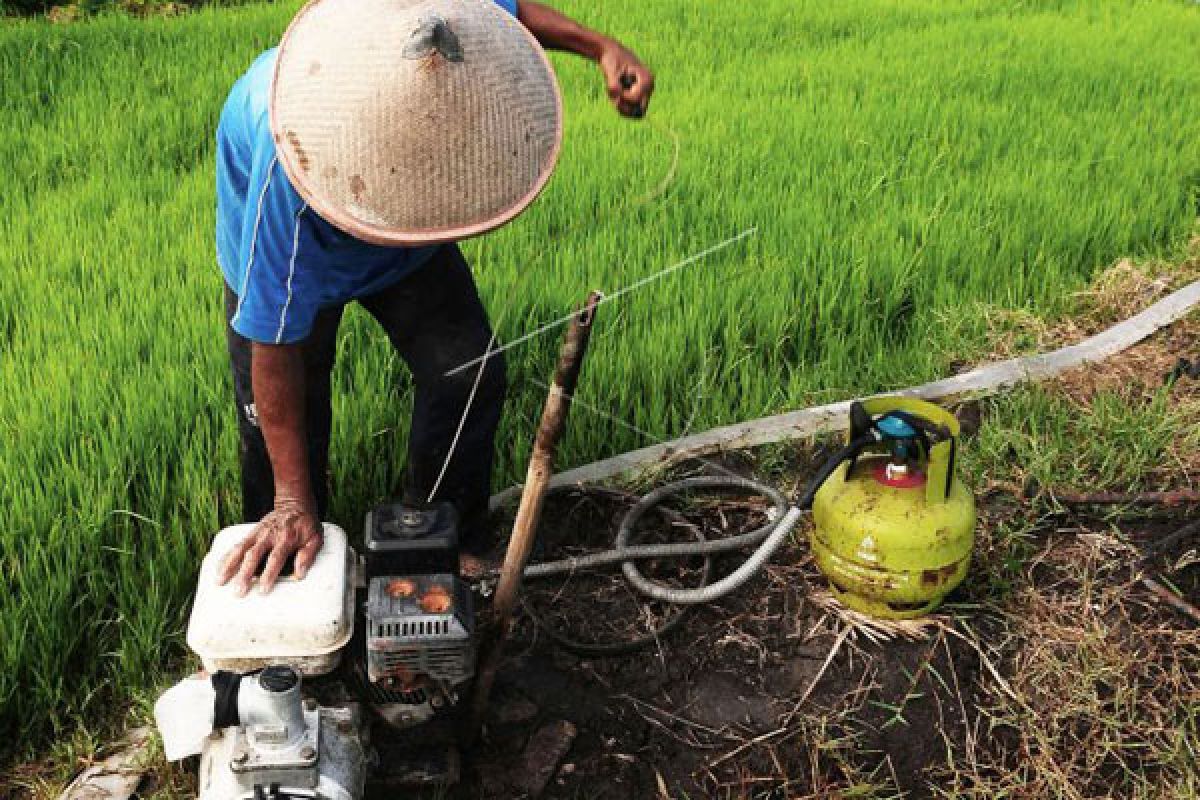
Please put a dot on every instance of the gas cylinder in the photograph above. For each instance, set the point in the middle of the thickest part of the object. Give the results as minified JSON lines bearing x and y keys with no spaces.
{"x":894,"y":527}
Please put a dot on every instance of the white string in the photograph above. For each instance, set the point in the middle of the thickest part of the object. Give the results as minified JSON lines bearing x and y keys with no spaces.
{"x":462,"y":422}
{"x":662,"y":187}
{"x":575,"y":401}
{"x":607,"y":298}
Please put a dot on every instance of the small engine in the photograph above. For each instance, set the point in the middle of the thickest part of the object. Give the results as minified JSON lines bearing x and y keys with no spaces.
{"x":420,"y":624}
{"x":257,"y":735}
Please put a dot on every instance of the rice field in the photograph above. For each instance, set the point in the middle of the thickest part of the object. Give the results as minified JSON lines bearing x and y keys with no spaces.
{"x":906,"y":162}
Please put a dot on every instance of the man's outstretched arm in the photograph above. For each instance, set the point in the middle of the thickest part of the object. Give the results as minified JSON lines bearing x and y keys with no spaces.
{"x":277,"y":373}
{"x":630,"y":82}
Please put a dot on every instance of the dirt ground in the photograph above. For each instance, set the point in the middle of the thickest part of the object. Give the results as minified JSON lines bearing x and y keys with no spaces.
{"x":714,"y":709}
{"x":775,"y":692}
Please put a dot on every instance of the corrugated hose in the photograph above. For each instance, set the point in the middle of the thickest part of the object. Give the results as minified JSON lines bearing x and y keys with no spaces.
{"x":767,"y":539}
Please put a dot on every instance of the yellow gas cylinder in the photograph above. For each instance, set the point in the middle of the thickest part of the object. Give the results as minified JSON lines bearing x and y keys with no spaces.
{"x":894,"y":531}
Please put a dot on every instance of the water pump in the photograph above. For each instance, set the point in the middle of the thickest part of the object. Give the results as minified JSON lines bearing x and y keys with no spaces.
{"x":259,"y":733}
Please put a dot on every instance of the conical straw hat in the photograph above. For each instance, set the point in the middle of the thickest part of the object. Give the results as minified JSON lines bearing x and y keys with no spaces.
{"x":409,"y":122}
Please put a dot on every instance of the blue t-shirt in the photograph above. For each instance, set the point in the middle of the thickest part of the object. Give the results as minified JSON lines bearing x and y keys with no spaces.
{"x":284,"y":262}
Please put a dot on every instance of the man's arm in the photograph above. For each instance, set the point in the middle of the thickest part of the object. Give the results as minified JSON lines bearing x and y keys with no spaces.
{"x":277,"y":374}
{"x":630,"y":82}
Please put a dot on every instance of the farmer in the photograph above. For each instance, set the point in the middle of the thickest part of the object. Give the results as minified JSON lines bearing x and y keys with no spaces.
{"x":349,"y":161}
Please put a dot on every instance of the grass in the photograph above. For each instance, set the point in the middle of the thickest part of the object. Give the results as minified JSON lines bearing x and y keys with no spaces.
{"x":1107,"y":443}
{"x":899,"y":158}
{"x":1105,"y":700}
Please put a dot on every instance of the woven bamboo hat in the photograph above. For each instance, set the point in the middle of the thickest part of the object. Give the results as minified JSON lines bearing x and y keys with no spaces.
{"x":410,"y":122}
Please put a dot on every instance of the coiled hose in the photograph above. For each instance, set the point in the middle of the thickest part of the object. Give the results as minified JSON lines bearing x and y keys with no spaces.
{"x":766,"y":540}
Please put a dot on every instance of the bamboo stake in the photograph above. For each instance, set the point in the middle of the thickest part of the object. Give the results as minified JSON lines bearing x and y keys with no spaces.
{"x":541,"y":467}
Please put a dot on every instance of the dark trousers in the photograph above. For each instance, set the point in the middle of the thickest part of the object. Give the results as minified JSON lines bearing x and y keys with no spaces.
{"x":435,"y":321}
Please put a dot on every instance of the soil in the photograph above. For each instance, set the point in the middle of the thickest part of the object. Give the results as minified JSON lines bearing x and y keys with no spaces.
{"x":713,"y":709}
{"x":763,"y":694}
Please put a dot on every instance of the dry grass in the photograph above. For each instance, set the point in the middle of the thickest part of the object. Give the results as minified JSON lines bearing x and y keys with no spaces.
{"x":1106,"y":687}
{"x":1119,"y":292}
{"x":1104,"y":677}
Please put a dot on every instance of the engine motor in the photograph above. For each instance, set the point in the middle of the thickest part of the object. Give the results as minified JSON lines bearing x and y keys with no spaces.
{"x":257,"y":733}
{"x":420,"y":623}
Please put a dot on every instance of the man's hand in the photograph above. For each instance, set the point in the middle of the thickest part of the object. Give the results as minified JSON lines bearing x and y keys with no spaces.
{"x":630,"y":82}
{"x":294,"y":527}
{"x":286,"y":531}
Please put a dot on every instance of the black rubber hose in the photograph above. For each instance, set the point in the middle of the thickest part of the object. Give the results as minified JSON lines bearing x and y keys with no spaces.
{"x":804,"y":499}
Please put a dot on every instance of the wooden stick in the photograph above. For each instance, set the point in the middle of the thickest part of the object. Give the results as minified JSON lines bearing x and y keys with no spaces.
{"x":1168,"y":499}
{"x":1167,"y":542}
{"x":541,"y":467}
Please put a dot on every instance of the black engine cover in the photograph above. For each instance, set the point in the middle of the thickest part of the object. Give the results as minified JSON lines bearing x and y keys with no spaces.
{"x":401,"y":539}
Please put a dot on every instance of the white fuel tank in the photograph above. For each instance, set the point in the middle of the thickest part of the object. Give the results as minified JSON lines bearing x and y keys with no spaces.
{"x":302,"y":623}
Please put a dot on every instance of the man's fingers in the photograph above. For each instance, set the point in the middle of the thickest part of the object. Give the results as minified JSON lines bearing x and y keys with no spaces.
{"x":636,"y":86}
{"x":642,"y":88}
{"x":636,"y":97}
{"x":277,"y":538}
{"x":233,"y":559}
{"x":250,"y":562}
{"x":307,"y":555}
{"x":270,"y":574}
{"x":614,"y":88}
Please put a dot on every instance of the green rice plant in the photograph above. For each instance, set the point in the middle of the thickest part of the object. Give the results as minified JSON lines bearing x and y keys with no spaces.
{"x":1109,"y":442}
{"x":899,"y":158}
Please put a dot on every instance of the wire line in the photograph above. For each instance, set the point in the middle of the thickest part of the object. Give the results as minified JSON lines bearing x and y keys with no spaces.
{"x":462,"y":422}
{"x":549,"y":326}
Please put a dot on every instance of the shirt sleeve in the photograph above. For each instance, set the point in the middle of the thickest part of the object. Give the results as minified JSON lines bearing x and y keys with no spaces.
{"x":508,"y":5}
{"x":275,"y":300}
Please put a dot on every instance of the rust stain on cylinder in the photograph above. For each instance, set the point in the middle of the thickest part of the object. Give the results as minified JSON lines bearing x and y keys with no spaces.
{"x":935,"y":577}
